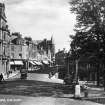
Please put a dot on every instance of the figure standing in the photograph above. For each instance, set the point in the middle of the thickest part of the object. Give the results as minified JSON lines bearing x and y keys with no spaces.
{"x":1,"y":77}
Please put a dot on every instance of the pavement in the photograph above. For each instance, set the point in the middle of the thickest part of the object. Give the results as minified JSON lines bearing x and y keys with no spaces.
{"x":95,"y":94}
{"x":24,"y":100}
{"x":11,"y":75}
{"x":93,"y":91}
{"x":44,"y":78}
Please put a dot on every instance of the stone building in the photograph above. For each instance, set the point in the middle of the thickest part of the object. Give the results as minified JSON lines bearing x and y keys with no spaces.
{"x":4,"y":41}
{"x":16,"y":46}
{"x":60,"y":57}
{"x":33,"y":51}
{"x":32,"y":56}
{"x":46,"y":49}
{"x":19,"y":51}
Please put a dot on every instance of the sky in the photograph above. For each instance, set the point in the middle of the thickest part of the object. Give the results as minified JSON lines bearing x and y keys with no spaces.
{"x":42,"y":19}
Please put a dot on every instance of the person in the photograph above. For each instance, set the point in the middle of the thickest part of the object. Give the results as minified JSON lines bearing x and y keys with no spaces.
{"x":1,"y":77}
{"x":50,"y":75}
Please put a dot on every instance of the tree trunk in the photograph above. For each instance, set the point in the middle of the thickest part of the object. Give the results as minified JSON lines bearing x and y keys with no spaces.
{"x":104,"y":77}
{"x":76,"y":74}
{"x":98,"y":74}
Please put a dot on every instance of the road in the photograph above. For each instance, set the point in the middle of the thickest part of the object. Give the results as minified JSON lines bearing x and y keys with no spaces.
{"x":35,"y":85}
{"x":22,"y":100}
{"x":41,"y":92}
{"x":44,"y":77}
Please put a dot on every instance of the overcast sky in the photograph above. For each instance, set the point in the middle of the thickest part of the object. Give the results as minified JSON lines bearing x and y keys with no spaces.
{"x":41,"y":19}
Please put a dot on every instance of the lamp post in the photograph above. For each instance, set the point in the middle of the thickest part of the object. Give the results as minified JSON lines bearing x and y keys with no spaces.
{"x":76,"y":72}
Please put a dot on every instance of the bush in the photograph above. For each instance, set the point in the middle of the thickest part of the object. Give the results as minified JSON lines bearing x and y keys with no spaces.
{"x":68,"y":80}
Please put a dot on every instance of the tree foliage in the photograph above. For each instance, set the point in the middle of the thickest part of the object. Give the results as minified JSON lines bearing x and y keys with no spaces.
{"x":90,"y":31}
{"x":89,"y":40}
{"x":28,"y":40}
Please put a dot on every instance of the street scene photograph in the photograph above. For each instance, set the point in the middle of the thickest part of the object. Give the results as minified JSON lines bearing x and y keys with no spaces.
{"x":52,"y":52}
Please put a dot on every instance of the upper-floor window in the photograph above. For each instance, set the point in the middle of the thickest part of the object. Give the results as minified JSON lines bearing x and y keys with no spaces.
{"x":12,"y":48}
{"x":12,"y":55}
{"x":20,"y":55}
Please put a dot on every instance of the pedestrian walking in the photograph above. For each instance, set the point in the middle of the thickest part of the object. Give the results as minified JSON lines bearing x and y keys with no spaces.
{"x":1,"y":77}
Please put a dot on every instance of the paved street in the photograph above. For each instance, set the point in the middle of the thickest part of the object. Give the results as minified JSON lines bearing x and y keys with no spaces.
{"x":35,"y":85}
{"x":22,"y":100}
{"x":44,"y":77}
{"x":37,"y":89}
{"x":43,"y":40}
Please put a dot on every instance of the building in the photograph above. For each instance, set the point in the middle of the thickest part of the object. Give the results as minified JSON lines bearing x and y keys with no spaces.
{"x":33,"y":51}
{"x":32,"y":56}
{"x":19,"y":52}
{"x":46,"y":49}
{"x":4,"y":41}
{"x":17,"y":43}
{"x":60,"y":57}
{"x":41,"y":52}
{"x":60,"y":61}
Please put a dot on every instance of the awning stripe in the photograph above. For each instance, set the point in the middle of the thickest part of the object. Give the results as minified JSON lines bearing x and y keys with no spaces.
{"x":32,"y":62}
{"x":37,"y":63}
{"x":45,"y":62}
{"x":12,"y":63}
{"x":16,"y":63}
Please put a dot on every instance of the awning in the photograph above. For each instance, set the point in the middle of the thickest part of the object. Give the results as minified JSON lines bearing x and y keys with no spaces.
{"x":32,"y":62}
{"x":46,"y":62}
{"x":18,"y":62}
{"x":37,"y":63}
{"x":12,"y":63}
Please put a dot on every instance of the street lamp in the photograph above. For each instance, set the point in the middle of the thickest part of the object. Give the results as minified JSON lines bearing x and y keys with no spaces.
{"x":76,"y":74}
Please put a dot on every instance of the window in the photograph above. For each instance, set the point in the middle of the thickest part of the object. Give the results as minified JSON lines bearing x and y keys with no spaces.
{"x":12,"y":55}
{"x":12,"y":48}
{"x":20,"y":55}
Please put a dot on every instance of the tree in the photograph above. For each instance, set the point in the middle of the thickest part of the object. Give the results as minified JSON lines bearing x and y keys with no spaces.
{"x":90,"y":31}
{"x":28,"y":40}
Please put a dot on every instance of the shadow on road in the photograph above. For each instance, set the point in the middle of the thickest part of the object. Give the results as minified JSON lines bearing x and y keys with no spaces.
{"x":34,"y":88}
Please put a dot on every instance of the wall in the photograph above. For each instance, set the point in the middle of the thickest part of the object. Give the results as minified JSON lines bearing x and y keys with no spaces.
{"x":4,"y":41}
{"x":16,"y":51}
{"x":24,"y":52}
